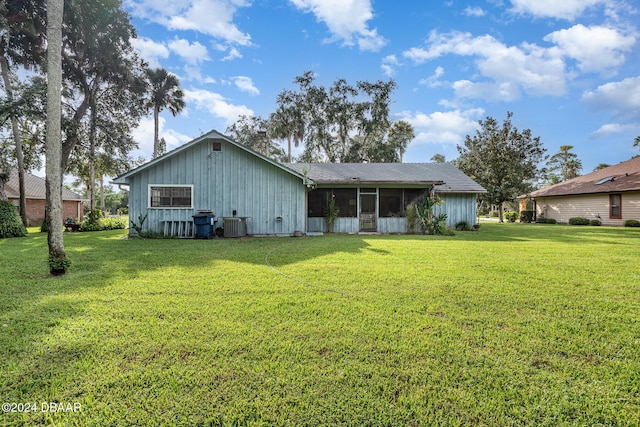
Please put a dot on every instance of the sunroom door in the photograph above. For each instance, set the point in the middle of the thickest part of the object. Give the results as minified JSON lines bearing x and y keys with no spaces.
{"x":368,"y":212}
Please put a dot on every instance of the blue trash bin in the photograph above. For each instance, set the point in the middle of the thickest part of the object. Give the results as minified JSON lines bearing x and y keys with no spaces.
{"x":203,"y":223}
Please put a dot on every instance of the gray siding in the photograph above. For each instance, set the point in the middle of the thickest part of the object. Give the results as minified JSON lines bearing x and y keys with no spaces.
{"x":458,"y":207}
{"x":272,"y":199}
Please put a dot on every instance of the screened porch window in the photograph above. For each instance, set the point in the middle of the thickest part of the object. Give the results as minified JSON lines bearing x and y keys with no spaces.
{"x":346,"y":202}
{"x":167,"y":196}
{"x":393,"y":201}
{"x":615,"y":206}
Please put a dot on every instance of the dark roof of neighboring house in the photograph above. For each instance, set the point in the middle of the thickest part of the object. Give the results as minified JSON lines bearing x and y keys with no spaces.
{"x":622,"y":177}
{"x":445,"y":176}
{"x":34,"y":188}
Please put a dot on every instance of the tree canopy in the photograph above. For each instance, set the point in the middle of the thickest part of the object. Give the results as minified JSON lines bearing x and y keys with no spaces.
{"x":503,"y":159}
{"x":338,"y":124}
{"x":563,"y":165}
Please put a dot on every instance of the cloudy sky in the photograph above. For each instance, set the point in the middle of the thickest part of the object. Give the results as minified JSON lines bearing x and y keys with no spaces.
{"x":569,"y":70}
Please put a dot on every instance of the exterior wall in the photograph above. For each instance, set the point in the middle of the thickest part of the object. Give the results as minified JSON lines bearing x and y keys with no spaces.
{"x":589,"y":206}
{"x":225,"y":181}
{"x":457,"y":206}
{"x":35,"y":210}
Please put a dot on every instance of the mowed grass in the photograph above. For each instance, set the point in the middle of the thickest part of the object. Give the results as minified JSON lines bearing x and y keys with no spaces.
{"x":512,"y":325}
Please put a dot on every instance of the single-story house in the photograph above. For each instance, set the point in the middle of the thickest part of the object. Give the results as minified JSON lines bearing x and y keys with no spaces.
{"x":611,"y":195}
{"x":373,"y":196}
{"x":35,"y":190}
{"x":238,"y":185}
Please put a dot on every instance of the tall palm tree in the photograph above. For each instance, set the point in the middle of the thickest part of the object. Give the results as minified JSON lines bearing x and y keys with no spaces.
{"x":164,"y":92}
{"x":288,"y":121}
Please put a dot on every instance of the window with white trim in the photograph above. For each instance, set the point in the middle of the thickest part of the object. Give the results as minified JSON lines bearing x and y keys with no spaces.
{"x":171,"y":196}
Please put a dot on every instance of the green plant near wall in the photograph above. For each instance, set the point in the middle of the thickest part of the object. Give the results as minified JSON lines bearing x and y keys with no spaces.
{"x":332,"y":212}
{"x":425,"y":216}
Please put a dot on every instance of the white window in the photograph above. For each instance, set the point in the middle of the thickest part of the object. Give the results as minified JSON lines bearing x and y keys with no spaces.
{"x":171,"y":196}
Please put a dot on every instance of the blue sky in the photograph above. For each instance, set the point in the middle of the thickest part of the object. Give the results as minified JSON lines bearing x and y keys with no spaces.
{"x":569,"y":70}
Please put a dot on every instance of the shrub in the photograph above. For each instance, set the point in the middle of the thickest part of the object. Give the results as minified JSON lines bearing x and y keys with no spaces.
{"x":527,"y":216}
{"x":44,"y":228}
{"x":632,"y":223}
{"x":510,"y":216}
{"x":542,"y":220}
{"x":10,"y":223}
{"x":112,"y":224}
{"x":595,"y":222}
{"x":578,"y":220}
{"x":411,"y":217}
{"x":463,"y":226}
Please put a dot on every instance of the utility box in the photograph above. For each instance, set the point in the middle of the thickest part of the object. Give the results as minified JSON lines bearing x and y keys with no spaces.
{"x":203,"y":223}
{"x":235,"y":227}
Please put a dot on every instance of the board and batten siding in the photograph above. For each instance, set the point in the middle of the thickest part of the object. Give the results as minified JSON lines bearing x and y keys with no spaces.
{"x":589,"y":206}
{"x":225,"y":181}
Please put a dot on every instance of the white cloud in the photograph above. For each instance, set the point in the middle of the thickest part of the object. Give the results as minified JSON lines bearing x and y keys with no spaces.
{"x":595,"y":48}
{"x":192,"y":53}
{"x":611,"y":129}
{"x":389,"y":64}
{"x":532,"y":69}
{"x":216,"y":105}
{"x":245,"y":84}
{"x":346,"y":20}
{"x":474,"y":11}
{"x":560,"y":9}
{"x":151,"y":51}
{"x":212,"y":17}
{"x":434,"y":79}
{"x":143,"y":135}
{"x":622,"y":98}
{"x":449,"y":127}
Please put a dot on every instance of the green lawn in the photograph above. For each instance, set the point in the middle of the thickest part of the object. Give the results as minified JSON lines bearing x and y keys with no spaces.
{"x":512,"y":325}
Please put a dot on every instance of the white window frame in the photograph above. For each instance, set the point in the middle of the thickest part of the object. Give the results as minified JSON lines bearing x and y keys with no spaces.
{"x":150,"y":186}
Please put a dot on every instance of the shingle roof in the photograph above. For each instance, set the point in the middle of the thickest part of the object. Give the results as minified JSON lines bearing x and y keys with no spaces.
{"x":34,"y":188}
{"x":624,"y":176}
{"x":447,"y":177}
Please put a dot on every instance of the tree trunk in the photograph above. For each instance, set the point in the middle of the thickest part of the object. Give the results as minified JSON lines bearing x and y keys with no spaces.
{"x":58,"y":263}
{"x":92,"y":158}
{"x":500,"y":212}
{"x":4,"y":65}
{"x":156,"y":114}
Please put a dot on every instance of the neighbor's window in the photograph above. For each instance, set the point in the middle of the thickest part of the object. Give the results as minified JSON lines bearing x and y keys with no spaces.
{"x":615,"y":206}
{"x":177,"y":196}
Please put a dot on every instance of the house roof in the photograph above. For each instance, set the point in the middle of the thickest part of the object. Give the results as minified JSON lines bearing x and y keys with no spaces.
{"x":622,"y":177}
{"x":213,"y":134}
{"x":35,"y":188}
{"x":447,"y":177}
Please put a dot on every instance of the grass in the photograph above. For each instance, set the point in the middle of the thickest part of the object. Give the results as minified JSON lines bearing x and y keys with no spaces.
{"x":512,"y":325}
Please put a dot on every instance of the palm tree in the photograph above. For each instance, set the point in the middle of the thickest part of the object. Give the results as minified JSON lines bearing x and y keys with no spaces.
{"x":164,"y":92}
{"x":636,"y":142}
{"x":287,"y":122}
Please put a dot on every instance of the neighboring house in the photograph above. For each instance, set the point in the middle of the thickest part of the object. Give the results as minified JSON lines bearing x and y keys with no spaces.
{"x":214,"y":173}
{"x":611,"y":194}
{"x":72,"y":203}
{"x":374,"y":196}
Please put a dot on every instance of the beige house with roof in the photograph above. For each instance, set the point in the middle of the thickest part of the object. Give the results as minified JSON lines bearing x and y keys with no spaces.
{"x":611,"y":195}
